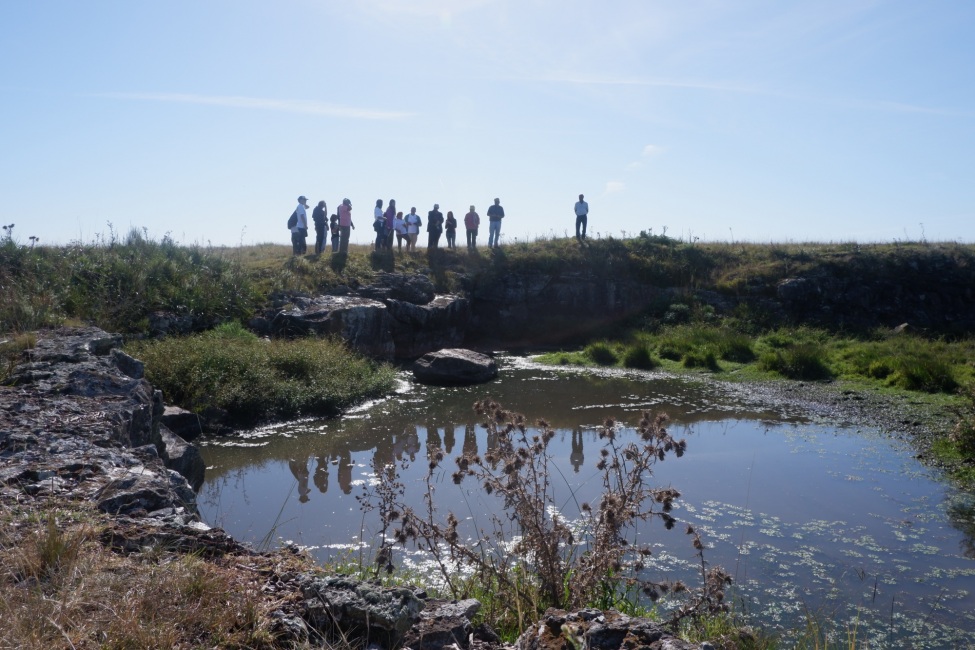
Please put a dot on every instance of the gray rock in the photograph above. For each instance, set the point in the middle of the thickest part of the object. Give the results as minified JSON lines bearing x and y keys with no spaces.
{"x":454,"y":366}
{"x":180,"y":456}
{"x":418,"y":329}
{"x":363,"y":323}
{"x":185,"y":424}
{"x":413,"y":288}
{"x":369,"y":612}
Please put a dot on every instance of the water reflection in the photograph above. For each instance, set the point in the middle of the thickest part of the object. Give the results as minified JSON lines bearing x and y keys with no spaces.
{"x":805,"y":516}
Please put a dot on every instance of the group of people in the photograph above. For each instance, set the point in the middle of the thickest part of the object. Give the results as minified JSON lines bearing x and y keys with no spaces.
{"x":387,"y":223}
{"x":390,"y":222}
{"x":339,"y":224}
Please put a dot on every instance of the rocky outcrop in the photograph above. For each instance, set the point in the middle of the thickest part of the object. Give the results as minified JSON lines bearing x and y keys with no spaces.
{"x":362,"y":322}
{"x":398,"y":316}
{"x":598,"y":630}
{"x":535,"y":307}
{"x":79,"y":421}
{"x":454,"y":367}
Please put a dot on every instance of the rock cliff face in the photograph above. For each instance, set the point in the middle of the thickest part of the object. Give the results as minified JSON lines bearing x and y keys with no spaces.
{"x":532,"y":308}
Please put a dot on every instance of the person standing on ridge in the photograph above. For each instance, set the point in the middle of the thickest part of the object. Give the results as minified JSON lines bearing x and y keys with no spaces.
{"x":471,"y":222}
{"x":495,"y":214}
{"x":345,"y":222}
{"x":300,"y":230}
{"x":319,"y":218}
{"x":582,"y":217}
{"x":434,"y":226}
{"x":450,"y":229}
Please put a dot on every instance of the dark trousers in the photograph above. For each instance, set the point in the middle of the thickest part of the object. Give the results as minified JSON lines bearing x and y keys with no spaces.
{"x":319,"y":239}
{"x":434,"y":240}
{"x":451,"y":238}
{"x":472,"y":238}
{"x":344,"y":232}
{"x":298,"y":244}
{"x":583,"y":220}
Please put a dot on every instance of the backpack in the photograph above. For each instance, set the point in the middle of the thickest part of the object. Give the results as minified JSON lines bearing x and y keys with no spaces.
{"x":293,"y":220}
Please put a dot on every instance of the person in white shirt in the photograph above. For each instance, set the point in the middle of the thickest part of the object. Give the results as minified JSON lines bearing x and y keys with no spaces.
{"x":299,"y":233}
{"x":582,"y":217}
{"x":399,"y":226}
{"x":413,"y":223}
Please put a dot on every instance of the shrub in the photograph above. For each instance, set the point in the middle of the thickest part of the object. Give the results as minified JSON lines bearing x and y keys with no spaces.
{"x":601,"y":353}
{"x":700,"y":359}
{"x":535,"y":557}
{"x":257,"y":380}
{"x":801,"y":361}
{"x":638,"y":356}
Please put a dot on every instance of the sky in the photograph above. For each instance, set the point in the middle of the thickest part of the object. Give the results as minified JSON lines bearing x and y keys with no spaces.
{"x":711,"y":120}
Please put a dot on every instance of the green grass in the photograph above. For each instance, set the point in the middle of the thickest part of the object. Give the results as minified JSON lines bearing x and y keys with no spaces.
{"x":254,"y":379}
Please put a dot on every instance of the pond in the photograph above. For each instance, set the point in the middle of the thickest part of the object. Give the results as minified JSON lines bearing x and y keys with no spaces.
{"x":807,"y":516}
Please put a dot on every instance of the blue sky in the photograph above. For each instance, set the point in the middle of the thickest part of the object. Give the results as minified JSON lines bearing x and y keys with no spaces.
{"x":759,"y":120}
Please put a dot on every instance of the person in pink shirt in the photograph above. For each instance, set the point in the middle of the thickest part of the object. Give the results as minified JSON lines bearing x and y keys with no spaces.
{"x":345,"y":223}
{"x":471,"y":222}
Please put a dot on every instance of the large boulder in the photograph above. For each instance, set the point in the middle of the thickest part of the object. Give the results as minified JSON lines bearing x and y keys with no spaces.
{"x":453,"y":367}
{"x":362,"y":322}
{"x":414,"y":288}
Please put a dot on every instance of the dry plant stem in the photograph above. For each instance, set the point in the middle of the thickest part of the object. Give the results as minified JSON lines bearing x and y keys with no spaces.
{"x":534,"y":557}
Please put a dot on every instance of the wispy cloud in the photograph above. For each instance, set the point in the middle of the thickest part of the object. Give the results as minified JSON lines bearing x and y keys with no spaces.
{"x":614,"y":186}
{"x":652,"y":150}
{"x":281,"y":105}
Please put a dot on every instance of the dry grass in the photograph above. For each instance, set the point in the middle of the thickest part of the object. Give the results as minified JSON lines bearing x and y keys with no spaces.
{"x":60,"y":587}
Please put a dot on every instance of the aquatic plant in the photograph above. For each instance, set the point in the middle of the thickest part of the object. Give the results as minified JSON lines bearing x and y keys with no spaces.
{"x":532,"y":556}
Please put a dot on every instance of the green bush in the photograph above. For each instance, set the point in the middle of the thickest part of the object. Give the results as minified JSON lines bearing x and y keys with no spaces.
{"x":800,"y":361}
{"x":601,"y":353}
{"x":701,"y":359}
{"x":256,"y":380}
{"x":638,"y":356}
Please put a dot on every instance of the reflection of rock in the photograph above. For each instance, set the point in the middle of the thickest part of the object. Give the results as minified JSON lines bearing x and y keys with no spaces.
{"x":454,"y":366}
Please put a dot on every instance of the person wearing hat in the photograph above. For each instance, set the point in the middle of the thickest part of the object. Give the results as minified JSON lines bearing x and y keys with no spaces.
{"x":582,"y":217}
{"x":434,"y":226}
{"x":345,"y":222}
{"x":299,"y":232}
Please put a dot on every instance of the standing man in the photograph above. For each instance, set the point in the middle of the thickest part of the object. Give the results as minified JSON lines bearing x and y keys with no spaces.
{"x":434,"y":226}
{"x":319,"y":218}
{"x":582,"y":218}
{"x":345,"y":222}
{"x":300,"y":230}
{"x":495,"y":214}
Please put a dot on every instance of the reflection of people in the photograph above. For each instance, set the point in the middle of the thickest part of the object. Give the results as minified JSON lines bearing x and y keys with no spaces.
{"x":345,"y":471}
{"x":470,"y":441}
{"x":384,"y":461}
{"x":448,"y":438}
{"x":321,"y":473}
{"x":576,"y":457}
{"x":300,"y":471}
{"x":434,"y":443}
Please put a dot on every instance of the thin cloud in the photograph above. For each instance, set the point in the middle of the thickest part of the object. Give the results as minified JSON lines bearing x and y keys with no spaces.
{"x":652,"y":150}
{"x":280,"y":105}
{"x":613,"y":187}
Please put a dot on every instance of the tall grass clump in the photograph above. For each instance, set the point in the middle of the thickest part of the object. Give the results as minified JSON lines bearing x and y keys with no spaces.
{"x":255,"y":379}
{"x":799,"y":361}
{"x":638,"y":356}
{"x":601,"y":353}
{"x":536,"y":554}
{"x":701,"y":345}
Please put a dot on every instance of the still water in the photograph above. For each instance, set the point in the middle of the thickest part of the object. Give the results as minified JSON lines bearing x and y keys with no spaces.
{"x":808,"y":516}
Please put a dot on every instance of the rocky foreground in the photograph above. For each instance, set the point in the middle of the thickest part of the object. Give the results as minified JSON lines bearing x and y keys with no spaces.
{"x":79,"y":423}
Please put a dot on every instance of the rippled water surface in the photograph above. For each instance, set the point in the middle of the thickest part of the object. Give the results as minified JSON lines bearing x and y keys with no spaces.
{"x":807,"y":516}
